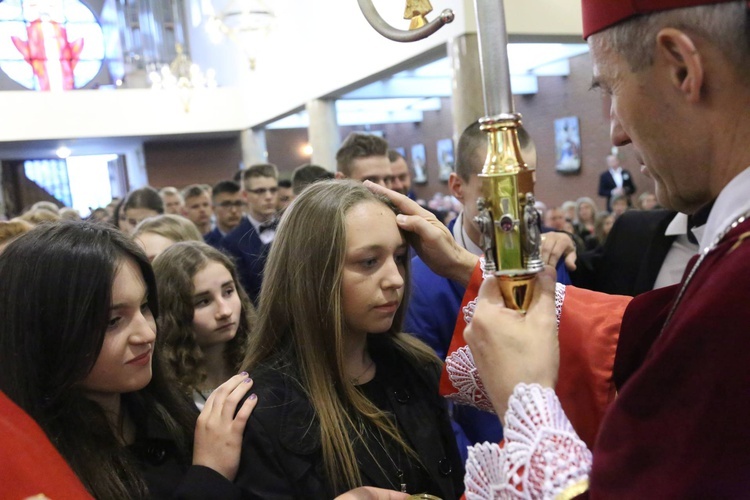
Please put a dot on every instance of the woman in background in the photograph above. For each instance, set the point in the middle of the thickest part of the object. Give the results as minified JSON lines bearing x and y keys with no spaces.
{"x":205,"y":318}
{"x":141,"y":204}
{"x":156,"y":234}
{"x":585,"y":217}
{"x":602,"y":227}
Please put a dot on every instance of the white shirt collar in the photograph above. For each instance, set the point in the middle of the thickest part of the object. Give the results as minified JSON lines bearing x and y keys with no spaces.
{"x":617,"y":175}
{"x":460,"y":235}
{"x":733,"y":201}
{"x":253,"y":221}
{"x":266,"y":236}
{"x":678,"y":226}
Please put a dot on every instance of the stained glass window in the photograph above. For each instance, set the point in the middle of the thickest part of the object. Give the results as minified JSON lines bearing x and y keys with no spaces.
{"x":52,"y":176}
{"x":50,"y":44}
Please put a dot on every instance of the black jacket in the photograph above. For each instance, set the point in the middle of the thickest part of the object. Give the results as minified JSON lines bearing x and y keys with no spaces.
{"x":243,"y":244}
{"x":282,"y":456}
{"x":607,"y":184}
{"x":630,"y":260}
{"x":168,"y":474}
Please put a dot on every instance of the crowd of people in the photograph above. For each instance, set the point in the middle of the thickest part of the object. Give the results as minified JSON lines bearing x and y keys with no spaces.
{"x":254,"y":339}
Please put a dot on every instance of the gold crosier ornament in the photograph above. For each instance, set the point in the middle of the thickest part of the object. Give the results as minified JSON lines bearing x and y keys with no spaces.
{"x":416,"y":10}
{"x":509,"y":222}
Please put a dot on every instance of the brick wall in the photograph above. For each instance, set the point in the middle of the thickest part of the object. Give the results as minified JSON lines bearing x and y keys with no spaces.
{"x":558,"y":97}
{"x":184,"y":162}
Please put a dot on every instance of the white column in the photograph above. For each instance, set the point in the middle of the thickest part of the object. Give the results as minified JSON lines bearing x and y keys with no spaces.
{"x":468,"y":99}
{"x":254,"y":150}
{"x":323,"y":132}
{"x":135,"y":165}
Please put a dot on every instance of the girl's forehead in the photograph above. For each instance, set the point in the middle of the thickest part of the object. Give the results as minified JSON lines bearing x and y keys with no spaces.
{"x":372,"y":223}
{"x":369,"y":209}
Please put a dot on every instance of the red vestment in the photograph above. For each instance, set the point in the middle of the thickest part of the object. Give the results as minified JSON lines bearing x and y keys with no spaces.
{"x":679,"y":426}
{"x":29,"y":463}
{"x":588,"y":332}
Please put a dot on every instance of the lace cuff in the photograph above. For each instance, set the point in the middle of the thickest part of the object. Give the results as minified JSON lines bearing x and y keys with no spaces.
{"x":460,"y":367}
{"x":542,"y":457}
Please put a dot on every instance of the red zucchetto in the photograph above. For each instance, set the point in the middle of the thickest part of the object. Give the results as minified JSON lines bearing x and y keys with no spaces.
{"x":601,"y":14}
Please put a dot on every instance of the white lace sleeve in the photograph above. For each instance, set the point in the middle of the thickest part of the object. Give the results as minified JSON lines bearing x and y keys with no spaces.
{"x":462,"y":371}
{"x":543,"y":457}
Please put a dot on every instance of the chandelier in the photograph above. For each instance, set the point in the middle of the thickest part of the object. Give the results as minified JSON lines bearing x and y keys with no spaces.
{"x":183,"y":76}
{"x":246,"y":22}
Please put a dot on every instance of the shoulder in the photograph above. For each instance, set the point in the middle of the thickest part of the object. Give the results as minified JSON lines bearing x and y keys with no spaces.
{"x":643,"y":221}
{"x":428,"y":282}
{"x":279,"y":395}
{"x":234,"y":236}
{"x":284,"y":412}
{"x":401,"y":366}
{"x":213,"y":237}
{"x":274,"y":387}
{"x":727,"y":265}
{"x":714,"y":301}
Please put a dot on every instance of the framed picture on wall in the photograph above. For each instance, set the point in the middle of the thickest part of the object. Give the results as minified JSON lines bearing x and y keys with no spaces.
{"x":400,"y":151}
{"x":419,"y":163}
{"x":567,"y":145}
{"x":445,"y":158}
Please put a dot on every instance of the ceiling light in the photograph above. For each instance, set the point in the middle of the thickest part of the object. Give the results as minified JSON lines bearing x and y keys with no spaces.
{"x":63,"y":152}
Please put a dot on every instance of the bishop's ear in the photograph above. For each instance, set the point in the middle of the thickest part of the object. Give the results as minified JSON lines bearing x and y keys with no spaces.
{"x":682,"y":59}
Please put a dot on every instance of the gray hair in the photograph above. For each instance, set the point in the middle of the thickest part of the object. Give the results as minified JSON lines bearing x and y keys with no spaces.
{"x":723,"y":24}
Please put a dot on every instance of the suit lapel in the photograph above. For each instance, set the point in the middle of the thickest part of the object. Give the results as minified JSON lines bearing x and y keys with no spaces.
{"x":655,"y":254}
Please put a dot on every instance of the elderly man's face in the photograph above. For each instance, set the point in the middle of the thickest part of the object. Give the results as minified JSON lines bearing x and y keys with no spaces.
{"x":648,"y":110}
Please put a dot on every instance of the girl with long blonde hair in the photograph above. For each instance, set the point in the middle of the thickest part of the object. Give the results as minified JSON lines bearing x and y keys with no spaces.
{"x":345,"y":398}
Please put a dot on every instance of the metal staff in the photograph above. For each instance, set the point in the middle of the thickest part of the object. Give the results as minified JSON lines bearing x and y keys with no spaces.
{"x":509,"y":222}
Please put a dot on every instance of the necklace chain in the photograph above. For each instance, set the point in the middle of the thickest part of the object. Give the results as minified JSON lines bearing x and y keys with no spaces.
{"x":355,"y":380}
{"x":739,"y":220}
{"x":400,"y":483}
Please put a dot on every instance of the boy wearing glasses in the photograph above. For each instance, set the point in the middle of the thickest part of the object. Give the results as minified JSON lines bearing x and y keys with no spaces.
{"x":249,"y":242}
{"x":229,"y":204}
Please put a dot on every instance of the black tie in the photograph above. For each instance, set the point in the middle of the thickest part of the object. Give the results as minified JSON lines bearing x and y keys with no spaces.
{"x":271,"y":224}
{"x":698,"y":219}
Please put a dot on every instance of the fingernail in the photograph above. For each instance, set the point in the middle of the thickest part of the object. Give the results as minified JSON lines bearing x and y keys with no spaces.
{"x":248,"y":380}
{"x":253,"y":396}
{"x":400,"y":218}
{"x":244,"y":374}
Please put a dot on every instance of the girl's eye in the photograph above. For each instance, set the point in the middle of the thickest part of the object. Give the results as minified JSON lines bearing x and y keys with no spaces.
{"x":229,"y":291}
{"x":145,"y":308}
{"x":201,"y":303}
{"x":400,"y":259}
{"x":369,"y":263}
{"x":113,"y":322}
